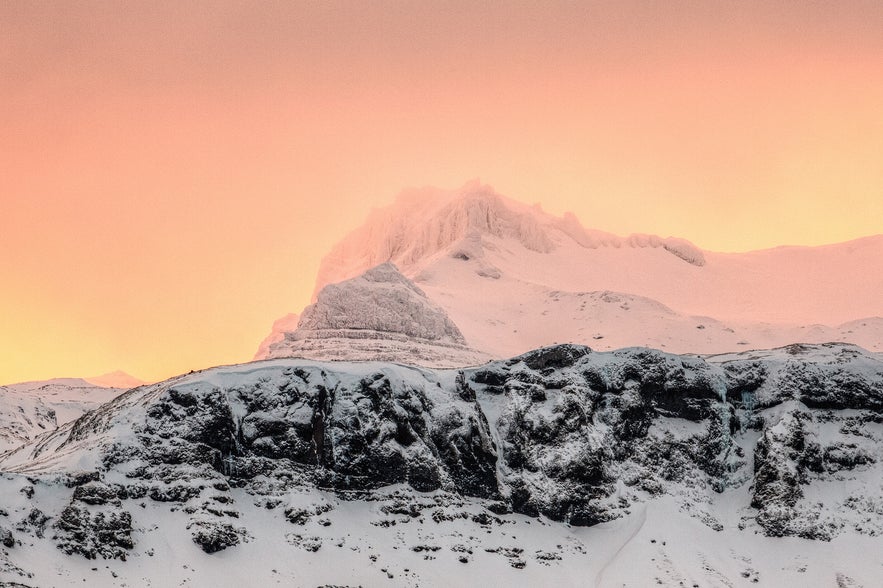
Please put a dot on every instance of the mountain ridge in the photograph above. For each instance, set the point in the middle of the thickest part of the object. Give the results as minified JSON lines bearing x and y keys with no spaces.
{"x":29,"y":409}
{"x":522,"y":469}
{"x":446,"y":217}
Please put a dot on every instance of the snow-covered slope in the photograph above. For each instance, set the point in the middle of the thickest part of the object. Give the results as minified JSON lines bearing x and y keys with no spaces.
{"x":23,"y":417}
{"x":831,"y":284}
{"x":117,"y":379}
{"x":30,"y":409}
{"x":506,"y":316}
{"x":513,"y":278}
{"x":379,"y":315}
{"x":561,"y":466}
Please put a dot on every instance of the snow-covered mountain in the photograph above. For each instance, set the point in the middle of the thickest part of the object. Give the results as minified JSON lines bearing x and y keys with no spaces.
{"x":425,"y":223}
{"x":30,"y":409}
{"x":512,"y":278}
{"x":561,"y":466}
{"x":116,"y":379}
{"x":379,"y":315}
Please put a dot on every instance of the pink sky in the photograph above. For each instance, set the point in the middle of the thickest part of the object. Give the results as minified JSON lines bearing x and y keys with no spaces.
{"x":173,"y":172}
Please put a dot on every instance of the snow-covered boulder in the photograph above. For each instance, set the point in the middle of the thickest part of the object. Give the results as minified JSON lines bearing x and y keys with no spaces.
{"x":380,"y":301}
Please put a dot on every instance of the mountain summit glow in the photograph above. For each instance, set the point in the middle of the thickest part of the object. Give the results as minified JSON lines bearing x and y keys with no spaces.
{"x":513,"y":277}
{"x":424,"y":222}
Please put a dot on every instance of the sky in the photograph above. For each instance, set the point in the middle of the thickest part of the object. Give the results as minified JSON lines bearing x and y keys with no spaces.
{"x":171,"y":173}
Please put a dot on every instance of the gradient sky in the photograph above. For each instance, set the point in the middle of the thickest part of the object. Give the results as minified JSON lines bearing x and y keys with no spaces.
{"x":171,"y":173}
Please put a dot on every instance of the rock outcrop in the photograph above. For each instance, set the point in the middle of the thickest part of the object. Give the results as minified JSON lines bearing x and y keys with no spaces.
{"x":380,"y":315}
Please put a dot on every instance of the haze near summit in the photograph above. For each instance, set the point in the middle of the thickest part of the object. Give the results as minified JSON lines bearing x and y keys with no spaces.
{"x":173,"y":174}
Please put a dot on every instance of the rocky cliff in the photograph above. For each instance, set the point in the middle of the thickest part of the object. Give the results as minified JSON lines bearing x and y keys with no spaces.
{"x":781,"y":443}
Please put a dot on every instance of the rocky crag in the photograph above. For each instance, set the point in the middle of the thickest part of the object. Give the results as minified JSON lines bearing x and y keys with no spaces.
{"x":380,"y":315}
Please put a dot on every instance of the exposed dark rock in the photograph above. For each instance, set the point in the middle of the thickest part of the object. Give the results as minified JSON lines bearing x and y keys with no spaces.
{"x":213,"y":536}
{"x":557,"y":356}
{"x":6,"y":538}
{"x":34,"y":522}
{"x":174,"y":493}
{"x":107,"y":534}
{"x":582,"y":437}
{"x":300,"y":515}
{"x":79,"y":478}
{"x":845,"y":456}
{"x":96,"y":493}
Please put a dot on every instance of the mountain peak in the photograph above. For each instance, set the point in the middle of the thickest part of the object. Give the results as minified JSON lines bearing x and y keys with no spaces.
{"x":424,"y":223}
{"x":388,"y":273}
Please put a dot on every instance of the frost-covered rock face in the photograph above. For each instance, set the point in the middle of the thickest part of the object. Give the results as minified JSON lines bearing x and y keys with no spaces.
{"x":381,"y":300}
{"x":566,"y":433}
{"x":380,"y":315}
{"x":330,"y":429}
{"x":575,"y":424}
{"x":830,"y":375}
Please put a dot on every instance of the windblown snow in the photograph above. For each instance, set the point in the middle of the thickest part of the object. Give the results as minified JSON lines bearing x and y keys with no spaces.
{"x":286,"y":324}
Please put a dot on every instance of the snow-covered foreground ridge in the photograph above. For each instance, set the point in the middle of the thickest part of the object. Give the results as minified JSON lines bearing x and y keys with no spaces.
{"x":562,"y":465}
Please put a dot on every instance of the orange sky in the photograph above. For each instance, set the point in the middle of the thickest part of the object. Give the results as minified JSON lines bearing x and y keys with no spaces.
{"x":171,"y":173}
